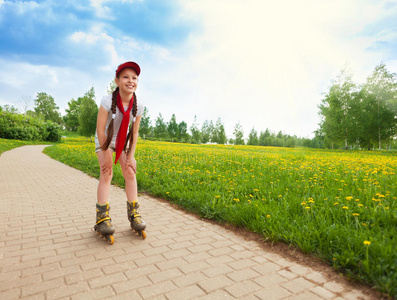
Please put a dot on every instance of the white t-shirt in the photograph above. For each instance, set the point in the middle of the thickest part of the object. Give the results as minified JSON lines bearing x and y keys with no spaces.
{"x":106,"y":102}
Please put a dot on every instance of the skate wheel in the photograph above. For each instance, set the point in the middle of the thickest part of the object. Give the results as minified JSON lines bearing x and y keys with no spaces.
{"x":142,"y":233}
{"x":110,"y":239}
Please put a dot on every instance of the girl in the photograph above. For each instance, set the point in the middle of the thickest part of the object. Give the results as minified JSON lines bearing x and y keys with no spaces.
{"x":116,"y":113}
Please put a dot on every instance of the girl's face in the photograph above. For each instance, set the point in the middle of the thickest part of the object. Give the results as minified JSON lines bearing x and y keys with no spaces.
{"x":127,"y":81}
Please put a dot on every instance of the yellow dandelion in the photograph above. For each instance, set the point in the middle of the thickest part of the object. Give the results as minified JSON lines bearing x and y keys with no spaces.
{"x":367,"y":243}
{"x":336,"y":203}
{"x":349,"y":198}
{"x":307,"y":207}
{"x":268,"y":216}
{"x":355,"y":214}
{"x":345,"y":207}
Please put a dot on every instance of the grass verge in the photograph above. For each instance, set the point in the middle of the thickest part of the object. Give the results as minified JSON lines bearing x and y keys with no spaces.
{"x":337,"y":205}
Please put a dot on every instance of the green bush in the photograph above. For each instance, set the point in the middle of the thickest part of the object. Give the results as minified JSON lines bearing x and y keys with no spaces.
{"x":25,"y":128}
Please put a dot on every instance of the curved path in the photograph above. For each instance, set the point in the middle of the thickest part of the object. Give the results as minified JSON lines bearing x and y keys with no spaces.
{"x":48,"y":250}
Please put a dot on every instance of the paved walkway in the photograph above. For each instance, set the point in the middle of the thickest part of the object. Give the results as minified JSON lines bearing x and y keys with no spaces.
{"x":48,"y":250}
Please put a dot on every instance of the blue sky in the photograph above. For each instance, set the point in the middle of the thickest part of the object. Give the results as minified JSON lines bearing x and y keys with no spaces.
{"x":264,"y":64}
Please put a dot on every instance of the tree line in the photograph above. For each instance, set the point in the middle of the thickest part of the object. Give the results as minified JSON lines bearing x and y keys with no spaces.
{"x":353,"y":116}
{"x":360,"y":116}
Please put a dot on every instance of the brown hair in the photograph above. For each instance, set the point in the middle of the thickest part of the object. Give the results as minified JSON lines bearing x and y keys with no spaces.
{"x":109,"y":133}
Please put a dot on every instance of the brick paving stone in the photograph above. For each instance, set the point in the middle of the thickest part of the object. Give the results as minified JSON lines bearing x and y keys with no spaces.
{"x":242,"y":289}
{"x":324,"y":293}
{"x":190,"y":279}
{"x":270,"y":279}
{"x":243,"y":275}
{"x":157,"y":289}
{"x":48,"y":250}
{"x":189,"y":292}
{"x":165,"y":275}
{"x":99,"y":293}
{"x":298,"y":285}
{"x":216,"y":283}
{"x":354,"y":295}
{"x":306,"y":296}
{"x":131,"y":285}
{"x":334,"y":287}
{"x":266,"y":268}
{"x":316,"y":277}
{"x":275,"y":292}
{"x":67,"y":290}
{"x":218,"y":270}
{"x":107,"y":280}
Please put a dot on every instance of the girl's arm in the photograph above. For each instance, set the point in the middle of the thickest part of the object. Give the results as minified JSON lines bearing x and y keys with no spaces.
{"x":130,"y":156}
{"x":135,"y":135}
{"x":100,"y":127}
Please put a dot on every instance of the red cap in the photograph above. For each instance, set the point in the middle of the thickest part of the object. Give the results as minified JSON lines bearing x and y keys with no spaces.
{"x":129,"y":64}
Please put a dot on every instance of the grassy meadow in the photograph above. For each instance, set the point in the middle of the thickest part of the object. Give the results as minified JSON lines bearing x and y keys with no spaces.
{"x":338,"y":205}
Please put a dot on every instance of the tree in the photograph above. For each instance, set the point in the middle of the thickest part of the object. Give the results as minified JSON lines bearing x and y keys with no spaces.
{"x":182,"y":134}
{"x":219,"y":134}
{"x":145,"y":125}
{"x":45,"y":106}
{"x":71,"y":119}
{"x":206,"y":131}
{"x":195,"y":131}
{"x":25,"y":103}
{"x":9,"y":109}
{"x":112,"y":86}
{"x":238,"y":135}
{"x":262,"y":138}
{"x":253,"y":138}
{"x":338,"y":123}
{"x":172,"y":128}
{"x":160,"y":131}
{"x":88,"y":112}
{"x":381,"y":87}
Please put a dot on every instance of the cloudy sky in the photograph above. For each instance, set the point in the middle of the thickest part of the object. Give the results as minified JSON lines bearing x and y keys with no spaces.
{"x":262,"y":63}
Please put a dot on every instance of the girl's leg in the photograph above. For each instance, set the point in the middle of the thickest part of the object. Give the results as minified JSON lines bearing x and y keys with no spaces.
{"x":131,"y":189}
{"x":131,"y":186}
{"x":104,"y":179}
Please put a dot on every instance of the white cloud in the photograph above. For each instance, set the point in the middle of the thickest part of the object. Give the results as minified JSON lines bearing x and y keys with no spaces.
{"x":266,"y":63}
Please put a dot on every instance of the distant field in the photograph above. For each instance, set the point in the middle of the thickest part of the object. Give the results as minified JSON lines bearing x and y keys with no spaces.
{"x":338,"y":205}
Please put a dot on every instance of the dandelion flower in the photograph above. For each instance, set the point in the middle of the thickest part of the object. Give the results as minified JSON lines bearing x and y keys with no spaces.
{"x":367,"y":243}
{"x":345,"y":207}
{"x":355,"y":214}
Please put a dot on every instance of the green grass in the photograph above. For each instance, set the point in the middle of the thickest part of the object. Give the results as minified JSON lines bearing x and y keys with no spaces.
{"x":6,"y":144}
{"x":337,"y":205}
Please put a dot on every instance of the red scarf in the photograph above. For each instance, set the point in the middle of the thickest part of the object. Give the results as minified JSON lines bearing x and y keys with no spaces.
{"x":122,"y":134}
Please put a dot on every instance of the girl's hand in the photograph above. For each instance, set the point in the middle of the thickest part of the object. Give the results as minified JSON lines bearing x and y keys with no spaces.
{"x":131,"y":163}
{"x":107,"y":166}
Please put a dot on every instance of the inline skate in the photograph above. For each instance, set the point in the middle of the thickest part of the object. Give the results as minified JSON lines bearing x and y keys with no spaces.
{"x":137,"y":224}
{"x":103,"y":224}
